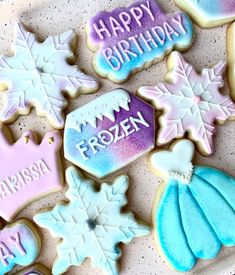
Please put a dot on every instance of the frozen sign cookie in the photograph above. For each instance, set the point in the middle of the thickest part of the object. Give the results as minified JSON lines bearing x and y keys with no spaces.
{"x":19,"y":244}
{"x":109,"y":132}
{"x":28,"y":170}
{"x":209,"y":13}
{"x":38,"y":74}
{"x":92,"y":224}
{"x":130,"y":38}
{"x":191,"y":102}
{"x":194,"y":211}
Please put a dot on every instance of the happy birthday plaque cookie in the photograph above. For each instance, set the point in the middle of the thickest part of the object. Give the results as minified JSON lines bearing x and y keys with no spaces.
{"x":28,"y":170}
{"x":109,"y":132}
{"x":19,"y":244}
{"x":128,"y":39}
{"x":209,"y":13}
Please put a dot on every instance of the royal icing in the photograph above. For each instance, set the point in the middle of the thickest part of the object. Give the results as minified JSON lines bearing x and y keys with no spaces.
{"x":91,"y":230}
{"x":28,"y":170}
{"x":231,"y":58}
{"x":36,"y":269}
{"x":109,"y":132}
{"x":192,"y":220}
{"x":19,"y":244}
{"x":38,"y":74}
{"x":168,"y":161}
{"x":209,"y":13}
{"x":130,"y":38}
{"x":191,"y":102}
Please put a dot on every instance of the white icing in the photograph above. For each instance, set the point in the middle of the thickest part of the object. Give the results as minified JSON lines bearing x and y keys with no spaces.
{"x":38,"y":73}
{"x":103,"y":106}
{"x":176,"y":163}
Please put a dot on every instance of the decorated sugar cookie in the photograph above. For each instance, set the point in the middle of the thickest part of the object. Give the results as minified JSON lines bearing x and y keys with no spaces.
{"x":231,"y":58}
{"x":91,"y":225}
{"x":109,"y":132}
{"x":191,"y":102}
{"x":28,"y":170}
{"x":194,"y":211}
{"x":36,"y":269}
{"x":19,"y":244}
{"x":209,"y":13}
{"x":129,"y":39}
{"x":38,"y":74}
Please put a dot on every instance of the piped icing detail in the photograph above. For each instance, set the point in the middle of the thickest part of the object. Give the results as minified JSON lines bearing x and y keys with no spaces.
{"x":192,"y":221}
{"x":191,"y":102}
{"x":91,"y":230}
{"x":185,"y":177}
{"x":19,"y":244}
{"x":128,"y":39}
{"x":175,"y":164}
{"x":109,"y":132}
{"x":209,"y":13}
{"x":38,"y":74}
{"x":104,"y":106}
{"x":26,"y":177}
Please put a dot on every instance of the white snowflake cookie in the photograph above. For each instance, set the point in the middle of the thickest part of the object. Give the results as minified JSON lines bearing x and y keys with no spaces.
{"x":38,"y":74}
{"x":191,"y":102}
{"x":92,"y":224}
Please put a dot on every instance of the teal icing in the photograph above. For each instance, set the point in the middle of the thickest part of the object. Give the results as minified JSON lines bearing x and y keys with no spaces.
{"x":169,"y":225}
{"x":194,"y":220}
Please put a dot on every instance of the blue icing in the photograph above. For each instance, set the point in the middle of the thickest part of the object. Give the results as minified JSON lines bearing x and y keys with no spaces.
{"x":169,"y":225}
{"x":29,"y":243}
{"x":156,"y":53}
{"x":193,"y":221}
{"x":99,"y":165}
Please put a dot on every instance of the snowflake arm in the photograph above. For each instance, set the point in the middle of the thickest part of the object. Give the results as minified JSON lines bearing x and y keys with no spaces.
{"x":92,"y":224}
{"x":191,"y":102}
{"x":38,"y":74}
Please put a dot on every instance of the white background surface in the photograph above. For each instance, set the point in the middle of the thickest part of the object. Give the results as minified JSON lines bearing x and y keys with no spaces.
{"x":48,"y":17}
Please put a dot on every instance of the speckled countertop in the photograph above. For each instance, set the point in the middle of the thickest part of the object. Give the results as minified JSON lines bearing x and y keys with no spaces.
{"x":48,"y":17}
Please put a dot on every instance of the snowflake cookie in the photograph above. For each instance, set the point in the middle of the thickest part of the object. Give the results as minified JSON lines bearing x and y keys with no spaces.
{"x":209,"y":13}
{"x":38,"y":74}
{"x":92,"y":224}
{"x":194,"y":211}
{"x":25,"y":178}
{"x":191,"y":102}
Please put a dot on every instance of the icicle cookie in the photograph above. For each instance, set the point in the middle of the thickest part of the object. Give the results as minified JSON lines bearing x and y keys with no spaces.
{"x":38,"y":74}
{"x":28,"y":170}
{"x":19,"y":244}
{"x":91,"y":230}
{"x":129,"y":39}
{"x":194,"y":211}
{"x":109,"y":132}
{"x":209,"y":13}
{"x":191,"y":102}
